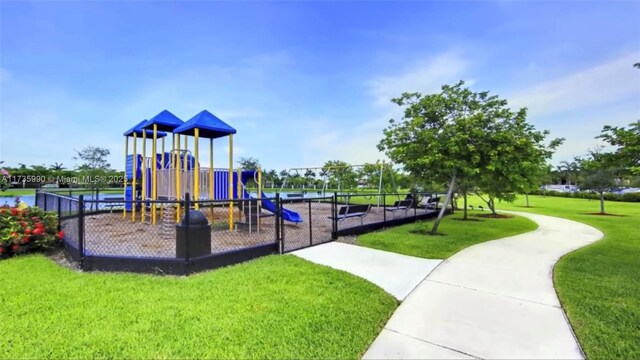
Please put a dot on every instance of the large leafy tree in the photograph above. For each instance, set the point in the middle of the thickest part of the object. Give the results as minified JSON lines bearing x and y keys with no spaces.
{"x":94,"y":167}
{"x":341,"y":174}
{"x":627,"y":143}
{"x":465,"y":137}
{"x":249,"y":163}
{"x":600,"y":173}
{"x":514,"y":156}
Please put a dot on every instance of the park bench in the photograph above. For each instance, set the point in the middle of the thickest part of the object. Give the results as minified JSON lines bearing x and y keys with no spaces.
{"x":113,"y":202}
{"x":432,"y":203}
{"x":400,"y":205}
{"x":352,"y":211}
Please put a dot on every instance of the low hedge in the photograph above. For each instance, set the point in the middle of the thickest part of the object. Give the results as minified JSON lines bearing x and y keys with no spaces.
{"x":27,"y":229}
{"x":628,"y":197}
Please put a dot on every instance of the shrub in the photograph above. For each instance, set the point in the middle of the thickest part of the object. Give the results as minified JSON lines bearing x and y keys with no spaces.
{"x":27,"y":229}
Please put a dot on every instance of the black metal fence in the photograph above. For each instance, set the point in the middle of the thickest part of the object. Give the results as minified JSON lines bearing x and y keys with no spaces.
{"x":107,"y":235}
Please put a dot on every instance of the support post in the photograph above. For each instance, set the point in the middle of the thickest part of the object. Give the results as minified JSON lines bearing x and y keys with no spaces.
{"x":277,"y":222}
{"x":259,"y":196}
{"x":154,"y":173}
{"x":196,"y":171}
{"x":310,"y":225}
{"x":134,"y":174}
{"x":143,"y":210}
{"x":211,"y":178}
{"x":178,"y":169}
{"x":124,"y":186}
{"x":81,"y":230}
{"x":230,"y":187}
{"x":59,"y":213}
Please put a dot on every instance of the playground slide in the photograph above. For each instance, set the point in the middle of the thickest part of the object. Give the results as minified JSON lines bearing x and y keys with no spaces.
{"x":288,"y":215}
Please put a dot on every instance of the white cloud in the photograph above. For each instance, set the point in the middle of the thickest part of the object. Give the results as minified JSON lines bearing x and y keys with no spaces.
{"x":425,"y":76}
{"x":599,"y":85}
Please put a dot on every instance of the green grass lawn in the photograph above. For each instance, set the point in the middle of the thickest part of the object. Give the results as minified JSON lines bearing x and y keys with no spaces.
{"x":598,"y":285}
{"x":274,"y":307}
{"x":411,"y":239}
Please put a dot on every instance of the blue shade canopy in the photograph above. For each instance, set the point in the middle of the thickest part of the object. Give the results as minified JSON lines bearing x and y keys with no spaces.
{"x":165,"y":120}
{"x":138,"y":130}
{"x":209,"y":126}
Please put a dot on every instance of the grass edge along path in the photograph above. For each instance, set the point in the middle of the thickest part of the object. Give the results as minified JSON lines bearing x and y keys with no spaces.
{"x":273,"y":307}
{"x":458,"y":235}
{"x":599,"y":284}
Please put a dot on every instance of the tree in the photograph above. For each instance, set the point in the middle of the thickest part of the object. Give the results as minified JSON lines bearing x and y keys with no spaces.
{"x":627,"y":143}
{"x":249,"y":163}
{"x":463,"y":137}
{"x":570,"y":170}
{"x":600,"y":173}
{"x":271,"y":176}
{"x":56,"y":167}
{"x":94,"y":167}
{"x":637,"y":65}
{"x":340,"y":173}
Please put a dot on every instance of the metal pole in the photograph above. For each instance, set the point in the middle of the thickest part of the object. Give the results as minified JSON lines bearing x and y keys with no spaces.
{"x":196,"y":177}
{"x":230,"y":186}
{"x":310,"y":226}
{"x":59,"y":212}
{"x":134,"y":172}
{"x":277,"y":222}
{"x":144,"y":175}
{"x":81,"y":230}
{"x":124,"y":187}
{"x":178,"y":169}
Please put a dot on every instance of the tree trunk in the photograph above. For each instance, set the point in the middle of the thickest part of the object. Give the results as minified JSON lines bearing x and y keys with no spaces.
{"x":447,"y":200}
{"x":492,"y":205}
{"x":601,"y":202}
{"x":526,"y":196}
{"x":464,"y":194}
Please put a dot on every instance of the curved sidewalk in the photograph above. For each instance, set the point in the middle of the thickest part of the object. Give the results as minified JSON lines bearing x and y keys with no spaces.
{"x":493,"y":300}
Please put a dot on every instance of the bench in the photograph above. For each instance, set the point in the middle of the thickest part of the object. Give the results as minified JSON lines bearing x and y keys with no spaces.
{"x":113,"y":201}
{"x":432,"y":203}
{"x":352,"y":211}
{"x":400,"y":205}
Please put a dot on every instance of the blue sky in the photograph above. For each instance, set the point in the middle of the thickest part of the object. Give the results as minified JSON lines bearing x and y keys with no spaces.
{"x":303,"y":82}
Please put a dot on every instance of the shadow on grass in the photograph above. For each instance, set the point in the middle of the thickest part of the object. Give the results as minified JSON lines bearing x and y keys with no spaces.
{"x":605,"y":214}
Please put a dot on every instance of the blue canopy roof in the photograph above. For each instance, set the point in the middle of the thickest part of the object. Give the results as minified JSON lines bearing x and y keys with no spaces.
{"x":165,"y":120}
{"x":138,"y":130}
{"x":209,"y":126}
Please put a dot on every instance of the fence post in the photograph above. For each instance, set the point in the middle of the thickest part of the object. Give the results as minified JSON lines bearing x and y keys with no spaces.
{"x":282,"y":232}
{"x":334,"y":216}
{"x":310,"y":225}
{"x":415,"y":207}
{"x":187,"y":256}
{"x":384,"y":208}
{"x":81,"y":230}
{"x":277,"y":222}
{"x":44,"y":207}
{"x":59,"y":213}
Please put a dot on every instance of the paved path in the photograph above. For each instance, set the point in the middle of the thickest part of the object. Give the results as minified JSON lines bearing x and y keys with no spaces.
{"x":397,"y":274}
{"x":493,"y":300}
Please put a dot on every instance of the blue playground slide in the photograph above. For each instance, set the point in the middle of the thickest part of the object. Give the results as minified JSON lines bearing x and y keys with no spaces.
{"x":288,"y":215}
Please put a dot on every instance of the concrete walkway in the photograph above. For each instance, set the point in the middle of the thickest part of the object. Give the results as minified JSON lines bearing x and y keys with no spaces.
{"x":493,"y":300}
{"x":397,"y":274}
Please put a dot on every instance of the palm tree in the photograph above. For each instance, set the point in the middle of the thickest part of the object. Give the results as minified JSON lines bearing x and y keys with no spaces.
{"x":637,"y":65}
{"x":56,"y":167}
{"x":570,"y":170}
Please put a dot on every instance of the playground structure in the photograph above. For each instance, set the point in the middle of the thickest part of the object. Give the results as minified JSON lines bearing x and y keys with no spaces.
{"x":158,"y":233}
{"x":170,"y":175}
